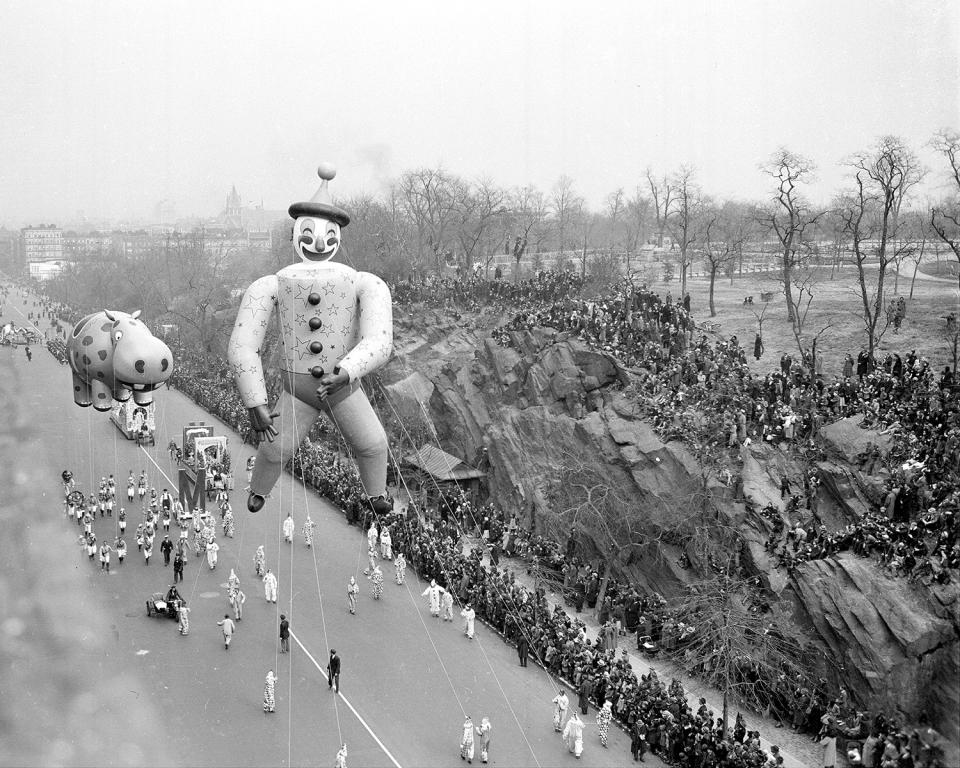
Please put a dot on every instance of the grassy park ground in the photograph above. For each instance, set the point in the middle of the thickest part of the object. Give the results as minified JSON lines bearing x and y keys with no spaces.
{"x":837,"y":302}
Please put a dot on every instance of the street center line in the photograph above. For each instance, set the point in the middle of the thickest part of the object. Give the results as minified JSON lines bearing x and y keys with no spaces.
{"x":172,"y":484}
{"x":344,"y":699}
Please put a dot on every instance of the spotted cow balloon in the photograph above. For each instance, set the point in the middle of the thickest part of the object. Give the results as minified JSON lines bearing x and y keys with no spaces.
{"x":113,"y":355}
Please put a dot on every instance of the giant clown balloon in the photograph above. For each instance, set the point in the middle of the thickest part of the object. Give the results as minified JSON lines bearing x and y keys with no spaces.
{"x":113,"y":355}
{"x":336,"y":326}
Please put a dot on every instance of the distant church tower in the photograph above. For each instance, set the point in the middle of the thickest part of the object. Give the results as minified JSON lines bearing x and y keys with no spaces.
{"x":232,"y":216}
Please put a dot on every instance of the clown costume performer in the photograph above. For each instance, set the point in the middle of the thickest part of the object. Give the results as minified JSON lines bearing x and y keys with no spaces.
{"x":466,"y":741}
{"x":560,"y":705}
{"x":352,"y":589}
{"x":341,"y":761}
{"x":269,"y":704}
{"x":184,"y":625}
{"x":212,"y":550}
{"x":371,"y":562}
{"x":270,"y":587}
{"x":228,"y":524}
{"x":237,"y":599}
{"x":259,"y":559}
{"x":446,"y":606}
{"x":336,"y":326}
{"x":307,"y":531}
{"x":288,"y":528}
{"x":484,"y":733}
{"x":400,"y":564}
{"x":469,"y":616}
{"x":233,"y":583}
{"x":573,"y":735}
{"x":209,"y":534}
{"x":432,"y":593}
{"x":604,"y":716}
{"x":386,"y":544}
{"x":377,"y":578}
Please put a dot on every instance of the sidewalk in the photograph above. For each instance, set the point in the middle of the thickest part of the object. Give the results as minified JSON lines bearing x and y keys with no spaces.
{"x":797,"y":749}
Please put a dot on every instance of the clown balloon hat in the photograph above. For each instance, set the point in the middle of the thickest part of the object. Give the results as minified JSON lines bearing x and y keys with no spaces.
{"x":320,"y":204}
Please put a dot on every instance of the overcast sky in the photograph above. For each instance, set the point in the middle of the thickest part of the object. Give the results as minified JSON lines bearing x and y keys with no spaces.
{"x":109,"y":107}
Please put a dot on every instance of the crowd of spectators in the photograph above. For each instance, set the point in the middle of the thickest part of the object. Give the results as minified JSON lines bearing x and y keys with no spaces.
{"x":472,"y":292}
{"x":680,"y":372}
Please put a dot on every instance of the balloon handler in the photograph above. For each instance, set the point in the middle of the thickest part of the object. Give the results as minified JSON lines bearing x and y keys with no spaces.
{"x":336,"y":326}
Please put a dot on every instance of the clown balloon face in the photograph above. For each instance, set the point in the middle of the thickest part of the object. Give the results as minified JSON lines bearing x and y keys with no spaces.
{"x":315,"y":239}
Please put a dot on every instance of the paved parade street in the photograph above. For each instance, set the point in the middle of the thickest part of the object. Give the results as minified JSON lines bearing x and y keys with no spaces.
{"x":407,"y":680}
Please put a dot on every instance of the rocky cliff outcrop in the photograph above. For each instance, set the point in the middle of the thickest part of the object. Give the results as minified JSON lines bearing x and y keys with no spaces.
{"x":549,"y":400}
{"x":894,"y":644}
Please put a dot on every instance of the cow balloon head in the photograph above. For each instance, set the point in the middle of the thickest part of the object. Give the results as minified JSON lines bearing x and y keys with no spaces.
{"x":141,"y":361}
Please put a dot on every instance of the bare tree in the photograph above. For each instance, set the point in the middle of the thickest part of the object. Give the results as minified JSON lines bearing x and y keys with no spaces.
{"x":637,"y":219}
{"x":945,"y":218}
{"x":882,"y":177}
{"x":616,"y":210}
{"x":803,"y":290}
{"x":530,"y":217}
{"x":478,"y":211}
{"x":734,"y":647}
{"x":661,"y":195}
{"x":431,"y":199}
{"x":921,"y":232}
{"x":566,"y":205}
{"x":373,"y":242}
{"x":195,"y":279}
{"x":585,"y":500}
{"x":789,"y":216}
{"x":587,"y":223}
{"x":722,"y":243}
{"x":685,"y":219}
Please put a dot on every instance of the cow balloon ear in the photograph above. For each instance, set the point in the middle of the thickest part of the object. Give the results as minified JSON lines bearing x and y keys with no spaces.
{"x":109,"y":315}
{"x":136,"y":314}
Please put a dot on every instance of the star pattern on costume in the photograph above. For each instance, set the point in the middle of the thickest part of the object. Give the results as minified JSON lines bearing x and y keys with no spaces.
{"x":263,"y":323}
{"x":251,"y":395}
{"x":302,"y":292}
{"x":300,"y":320}
{"x":253,"y":304}
{"x":301,"y":347}
{"x":328,"y":290}
{"x":287,"y":327}
{"x":288,"y":289}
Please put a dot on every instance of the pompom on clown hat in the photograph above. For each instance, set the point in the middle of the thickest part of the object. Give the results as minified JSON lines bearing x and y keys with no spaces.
{"x":320,"y":204}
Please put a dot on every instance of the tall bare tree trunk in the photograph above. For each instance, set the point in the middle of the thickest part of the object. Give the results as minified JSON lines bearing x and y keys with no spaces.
{"x":683,"y":273}
{"x":604,"y":583}
{"x":713,"y":277}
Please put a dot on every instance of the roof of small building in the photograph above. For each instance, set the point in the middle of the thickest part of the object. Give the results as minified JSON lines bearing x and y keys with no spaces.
{"x":442,"y":465}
